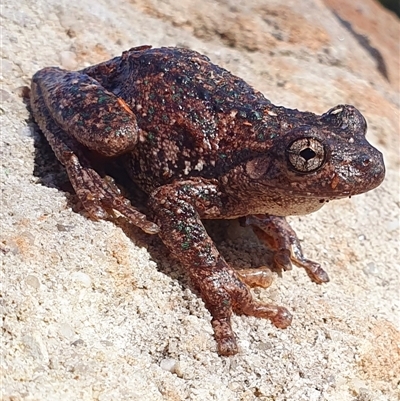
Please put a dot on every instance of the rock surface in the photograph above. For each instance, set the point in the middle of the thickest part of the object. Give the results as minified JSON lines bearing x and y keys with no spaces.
{"x":98,"y":311}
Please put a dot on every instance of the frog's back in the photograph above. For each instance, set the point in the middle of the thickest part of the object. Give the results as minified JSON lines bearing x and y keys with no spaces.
{"x":194,"y":115}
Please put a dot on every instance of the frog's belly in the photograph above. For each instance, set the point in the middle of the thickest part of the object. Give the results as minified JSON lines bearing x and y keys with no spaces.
{"x":282,"y":206}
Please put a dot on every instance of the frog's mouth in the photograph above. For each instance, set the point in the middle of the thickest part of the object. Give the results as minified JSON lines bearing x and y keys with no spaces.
{"x":340,"y":187}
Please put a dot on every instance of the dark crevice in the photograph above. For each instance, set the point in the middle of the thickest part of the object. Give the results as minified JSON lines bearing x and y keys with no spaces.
{"x":365,"y":43}
{"x":392,"y":5}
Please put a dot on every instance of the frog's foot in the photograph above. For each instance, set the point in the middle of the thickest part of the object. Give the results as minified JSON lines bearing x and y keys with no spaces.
{"x":276,"y":233}
{"x":223,"y":293}
{"x":101,"y":197}
{"x":176,"y":210}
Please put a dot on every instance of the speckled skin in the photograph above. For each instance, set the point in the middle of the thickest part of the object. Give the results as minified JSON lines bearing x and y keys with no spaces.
{"x":204,"y":144}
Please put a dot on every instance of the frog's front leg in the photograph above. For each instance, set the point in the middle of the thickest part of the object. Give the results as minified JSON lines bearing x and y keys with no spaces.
{"x":75,"y":112}
{"x":277,"y":234}
{"x":178,"y":209}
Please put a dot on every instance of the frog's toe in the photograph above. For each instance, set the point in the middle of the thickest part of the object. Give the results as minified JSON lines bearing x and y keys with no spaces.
{"x":227,"y":347}
{"x":282,"y":260}
{"x":316,"y":272}
{"x":94,"y":209}
{"x":224,"y":336}
{"x":259,"y":277}
{"x":278,"y":315}
{"x":283,"y":318}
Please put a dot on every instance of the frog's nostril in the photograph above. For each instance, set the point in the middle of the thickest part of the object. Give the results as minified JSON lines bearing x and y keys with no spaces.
{"x":365,"y":160}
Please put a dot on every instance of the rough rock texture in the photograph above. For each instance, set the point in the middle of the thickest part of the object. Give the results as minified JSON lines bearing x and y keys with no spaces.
{"x":99,"y":311}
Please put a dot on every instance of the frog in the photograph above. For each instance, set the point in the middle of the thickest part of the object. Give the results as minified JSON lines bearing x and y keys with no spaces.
{"x":203,"y":144}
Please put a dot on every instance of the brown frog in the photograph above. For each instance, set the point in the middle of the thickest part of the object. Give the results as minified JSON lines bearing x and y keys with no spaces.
{"x":203,"y":144}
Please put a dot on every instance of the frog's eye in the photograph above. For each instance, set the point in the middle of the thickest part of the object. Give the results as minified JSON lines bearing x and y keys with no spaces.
{"x":306,"y":155}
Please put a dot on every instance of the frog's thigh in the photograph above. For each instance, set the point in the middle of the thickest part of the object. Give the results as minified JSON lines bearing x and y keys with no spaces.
{"x":175,"y":209}
{"x":85,"y":110}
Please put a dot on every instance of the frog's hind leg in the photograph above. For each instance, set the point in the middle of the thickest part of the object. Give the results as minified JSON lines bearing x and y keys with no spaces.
{"x":177,"y":210}
{"x":64,"y":120}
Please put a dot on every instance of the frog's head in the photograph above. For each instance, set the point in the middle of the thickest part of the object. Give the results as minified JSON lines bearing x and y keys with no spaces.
{"x":326,"y":159}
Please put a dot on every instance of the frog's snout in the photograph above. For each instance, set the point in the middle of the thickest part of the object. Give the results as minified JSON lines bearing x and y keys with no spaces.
{"x":371,"y":169}
{"x":375,"y":162}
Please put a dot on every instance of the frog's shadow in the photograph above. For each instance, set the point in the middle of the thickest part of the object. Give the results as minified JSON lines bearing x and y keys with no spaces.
{"x":241,"y":251}
{"x":47,"y":169}
{"x":237,"y":245}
